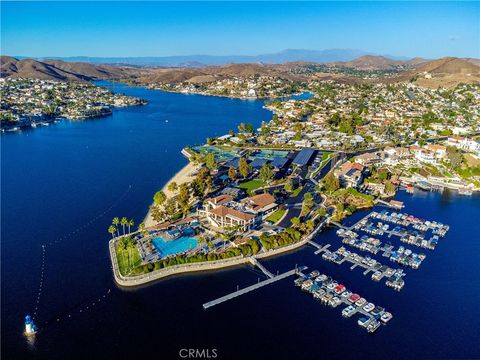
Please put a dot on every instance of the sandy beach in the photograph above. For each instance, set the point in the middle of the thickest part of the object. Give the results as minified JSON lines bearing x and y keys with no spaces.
{"x":181,"y":177}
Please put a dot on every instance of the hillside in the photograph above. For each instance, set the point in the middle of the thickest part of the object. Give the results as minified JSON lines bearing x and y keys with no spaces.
{"x":450,"y":66}
{"x":430,"y":73}
{"x":370,"y":62}
{"x":444,"y":72}
{"x":61,"y":70}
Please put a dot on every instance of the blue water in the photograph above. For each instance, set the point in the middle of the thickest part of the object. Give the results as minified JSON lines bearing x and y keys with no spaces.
{"x":170,"y":247}
{"x":64,"y":183}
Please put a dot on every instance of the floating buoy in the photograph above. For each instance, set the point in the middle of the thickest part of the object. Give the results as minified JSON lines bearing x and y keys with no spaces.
{"x":30,"y":327}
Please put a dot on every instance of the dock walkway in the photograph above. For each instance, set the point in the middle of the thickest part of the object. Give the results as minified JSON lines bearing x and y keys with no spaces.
{"x":253,"y":287}
{"x":320,"y":248}
{"x":256,"y":263}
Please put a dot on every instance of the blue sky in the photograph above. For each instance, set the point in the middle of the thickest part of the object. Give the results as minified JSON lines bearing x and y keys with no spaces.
{"x":426,"y":29}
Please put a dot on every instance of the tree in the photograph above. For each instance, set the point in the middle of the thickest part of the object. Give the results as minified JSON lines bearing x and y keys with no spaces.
{"x":115,"y":222}
{"x":345,"y":126}
{"x":307,"y":203}
{"x":288,"y":187}
{"x":249,"y":128}
{"x":310,"y":225}
{"x":170,"y":207}
{"x":159,"y":198}
{"x":202,"y":182}
{"x":156,"y":213}
{"x":112,"y":229}
{"x":210,"y":161}
{"x":331,"y":182}
{"x":232,"y":173}
{"x":266,"y":173}
{"x":265,"y":130}
{"x":124,"y":222}
{"x":389,"y":187}
{"x":130,"y":223}
{"x":321,"y":211}
{"x":183,"y":198}
{"x":243,"y":167}
{"x":455,"y":156}
{"x":298,"y":135}
{"x":295,"y":221}
{"x":172,"y":186}
{"x":334,"y":119}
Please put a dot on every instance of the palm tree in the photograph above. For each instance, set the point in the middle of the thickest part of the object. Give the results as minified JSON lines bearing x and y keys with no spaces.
{"x":130,"y":223}
{"x":115,"y":222}
{"x":123,"y":222}
{"x":112,"y":229}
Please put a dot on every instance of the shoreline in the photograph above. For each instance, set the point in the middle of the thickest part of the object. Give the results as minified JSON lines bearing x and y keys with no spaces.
{"x":144,"y":279}
{"x":182,"y":176}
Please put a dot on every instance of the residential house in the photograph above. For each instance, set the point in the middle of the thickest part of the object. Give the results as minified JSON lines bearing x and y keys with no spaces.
{"x":350,"y":174}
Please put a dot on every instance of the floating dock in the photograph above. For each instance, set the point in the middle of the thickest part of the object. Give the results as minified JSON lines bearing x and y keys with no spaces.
{"x":329,"y":292}
{"x":272,"y":279}
{"x":380,"y":271}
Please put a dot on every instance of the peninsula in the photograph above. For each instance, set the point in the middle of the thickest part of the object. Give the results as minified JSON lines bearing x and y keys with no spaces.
{"x":256,"y":193}
{"x":32,"y":102}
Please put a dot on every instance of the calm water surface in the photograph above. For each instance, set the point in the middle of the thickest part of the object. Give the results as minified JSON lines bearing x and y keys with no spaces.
{"x":62,"y":185}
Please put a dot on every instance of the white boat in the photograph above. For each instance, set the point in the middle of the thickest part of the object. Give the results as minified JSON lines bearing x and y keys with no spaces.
{"x":465,"y":191}
{"x":347,"y":312}
{"x":386,"y":317}
{"x":369,"y":307}
{"x":307,"y":284}
{"x":360,"y":302}
{"x":363,"y":321}
{"x":372,"y":326}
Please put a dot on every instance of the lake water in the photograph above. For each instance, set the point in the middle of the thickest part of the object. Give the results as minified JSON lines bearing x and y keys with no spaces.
{"x":61,"y":186}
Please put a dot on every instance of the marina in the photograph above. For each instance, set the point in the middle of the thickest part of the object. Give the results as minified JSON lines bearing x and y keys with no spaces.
{"x":329,"y":292}
{"x":369,"y":244}
{"x":410,"y":229}
{"x":394,"y":276}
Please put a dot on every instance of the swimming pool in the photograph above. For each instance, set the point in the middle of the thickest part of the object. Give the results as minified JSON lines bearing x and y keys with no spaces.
{"x":166,"y":248}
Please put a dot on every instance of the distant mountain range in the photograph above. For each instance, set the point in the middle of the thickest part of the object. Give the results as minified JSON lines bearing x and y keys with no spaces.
{"x":285,"y":56}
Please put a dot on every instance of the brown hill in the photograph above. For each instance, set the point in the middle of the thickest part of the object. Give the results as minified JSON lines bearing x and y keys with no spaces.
{"x":243,"y":70}
{"x":61,"y":70}
{"x":450,"y":66}
{"x":415,"y":62}
{"x":473,"y":61}
{"x":370,"y":62}
{"x":169,"y":76}
{"x":445,"y":72}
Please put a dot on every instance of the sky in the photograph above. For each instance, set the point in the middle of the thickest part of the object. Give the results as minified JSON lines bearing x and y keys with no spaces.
{"x":127,"y":29}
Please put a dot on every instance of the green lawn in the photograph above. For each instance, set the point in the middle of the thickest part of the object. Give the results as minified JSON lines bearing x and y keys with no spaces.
{"x":127,"y":259}
{"x":275,"y":216}
{"x":251,"y":185}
